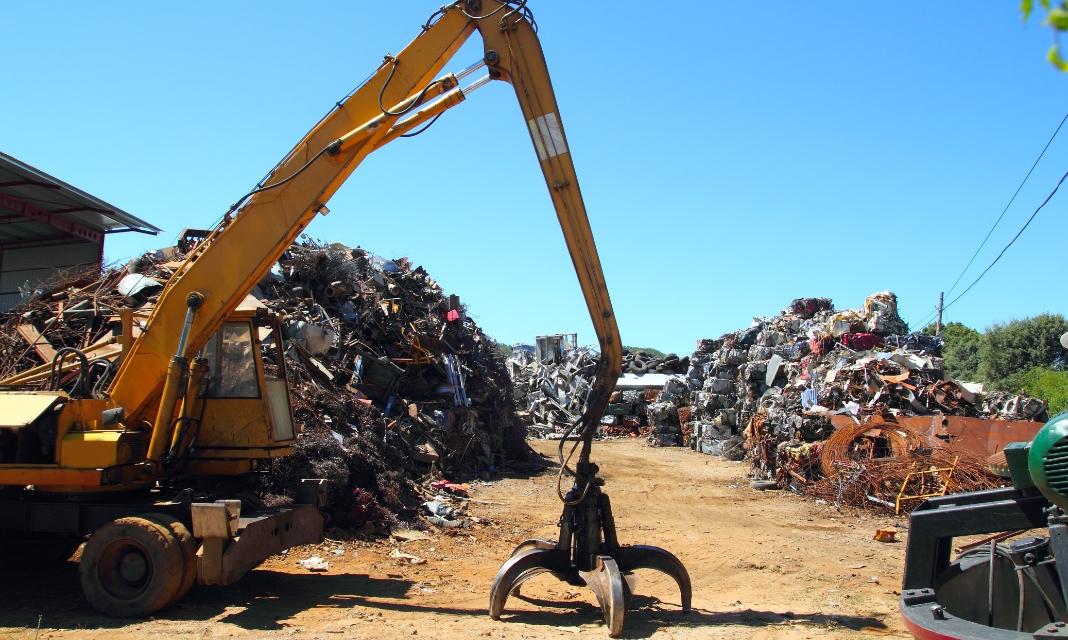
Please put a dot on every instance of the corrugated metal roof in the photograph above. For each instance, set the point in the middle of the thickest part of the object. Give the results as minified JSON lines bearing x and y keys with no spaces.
{"x":59,"y":208}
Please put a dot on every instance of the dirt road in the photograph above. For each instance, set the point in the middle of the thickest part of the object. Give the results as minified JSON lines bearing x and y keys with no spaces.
{"x":763,"y":564}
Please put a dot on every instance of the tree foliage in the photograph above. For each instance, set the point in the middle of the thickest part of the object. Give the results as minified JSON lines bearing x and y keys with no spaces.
{"x":1050,"y":385}
{"x":656,"y":353}
{"x":1009,"y":351}
{"x":961,"y":351}
{"x":1057,"y":20}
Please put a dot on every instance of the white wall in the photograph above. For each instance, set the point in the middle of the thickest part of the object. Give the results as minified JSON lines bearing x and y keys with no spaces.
{"x":39,"y":264}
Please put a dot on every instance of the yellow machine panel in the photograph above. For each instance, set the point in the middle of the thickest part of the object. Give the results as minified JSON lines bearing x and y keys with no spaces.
{"x":101,"y":449}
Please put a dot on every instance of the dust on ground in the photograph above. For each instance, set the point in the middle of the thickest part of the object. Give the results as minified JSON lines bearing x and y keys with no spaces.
{"x":763,"y":564}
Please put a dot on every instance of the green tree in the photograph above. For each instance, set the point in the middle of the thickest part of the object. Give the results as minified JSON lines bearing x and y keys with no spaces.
{"x":961,"y":350}
{"x":1050,"y":385}
{"x":649,"y":351}
{"x":1010,"y":350}
{"x":1057,"y":21}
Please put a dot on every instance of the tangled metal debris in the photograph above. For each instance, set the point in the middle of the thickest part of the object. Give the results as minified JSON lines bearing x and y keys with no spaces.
{"x":551,"y":393}
{"x":780,"y":388}
{"x":392,"y":384}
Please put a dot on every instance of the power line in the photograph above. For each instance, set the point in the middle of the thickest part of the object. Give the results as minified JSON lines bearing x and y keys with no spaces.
{"x":927,"y":319}
{"x":1014,"y":238}
{"x":1009,"y":204}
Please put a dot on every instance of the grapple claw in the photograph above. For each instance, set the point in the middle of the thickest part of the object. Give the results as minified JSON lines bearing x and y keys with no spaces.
{"x":608,"y":584}
{"x":588,"y":552}
{"x":522,"y":567}
{"x":533,"y":543}
{"x":641,"y":556}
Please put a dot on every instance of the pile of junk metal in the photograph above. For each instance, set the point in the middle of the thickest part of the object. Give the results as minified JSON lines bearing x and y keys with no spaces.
{"x":553,"y":381}
{"x":393,"y":386}
{"x":849,"y":406}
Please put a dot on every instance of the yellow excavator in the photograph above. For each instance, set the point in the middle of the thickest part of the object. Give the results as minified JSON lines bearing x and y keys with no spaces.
{"x":191,"y":401}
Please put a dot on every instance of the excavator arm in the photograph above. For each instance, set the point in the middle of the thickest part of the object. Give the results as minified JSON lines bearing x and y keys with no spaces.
{"x":400,"y":95}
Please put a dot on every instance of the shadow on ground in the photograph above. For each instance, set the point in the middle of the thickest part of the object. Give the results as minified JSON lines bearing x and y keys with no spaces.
{"x":263,"y":599}
{"x":266,"y":600}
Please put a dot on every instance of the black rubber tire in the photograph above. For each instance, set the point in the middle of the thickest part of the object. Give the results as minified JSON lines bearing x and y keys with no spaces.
{"x":188,"y":546}
{"x":763,"y":485}
{"x":638,"y":367}
{"x":131,"y":567}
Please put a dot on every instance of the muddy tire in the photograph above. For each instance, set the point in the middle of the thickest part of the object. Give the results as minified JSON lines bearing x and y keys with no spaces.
{"x":131,"y":567}
{"x":188,"y":547}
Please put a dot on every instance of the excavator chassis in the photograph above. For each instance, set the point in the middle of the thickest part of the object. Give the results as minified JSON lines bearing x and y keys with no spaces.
{"x":218,"y":543}
{"x":587,"y":553}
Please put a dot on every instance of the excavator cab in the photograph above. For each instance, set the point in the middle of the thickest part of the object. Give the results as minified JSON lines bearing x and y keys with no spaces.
{"x":247,"y":417}
{"x":233,"y":417}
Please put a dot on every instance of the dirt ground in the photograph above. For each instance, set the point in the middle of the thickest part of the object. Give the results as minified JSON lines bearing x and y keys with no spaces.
{"x":763,"y":565}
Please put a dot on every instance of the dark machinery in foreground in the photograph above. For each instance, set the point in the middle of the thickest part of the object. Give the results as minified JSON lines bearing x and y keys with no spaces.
{"x":1011,"y":585}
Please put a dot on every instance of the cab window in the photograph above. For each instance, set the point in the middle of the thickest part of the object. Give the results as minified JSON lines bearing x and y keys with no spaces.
{"x":232,"y":362}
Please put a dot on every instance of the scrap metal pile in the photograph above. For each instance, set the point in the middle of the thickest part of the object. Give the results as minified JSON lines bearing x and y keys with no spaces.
{"x":780,"y":388}
{"x":391,"y":381}
{"x":551,"y":395}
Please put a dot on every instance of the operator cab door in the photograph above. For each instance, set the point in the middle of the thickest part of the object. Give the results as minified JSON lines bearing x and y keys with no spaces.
{"x":246,"y":412}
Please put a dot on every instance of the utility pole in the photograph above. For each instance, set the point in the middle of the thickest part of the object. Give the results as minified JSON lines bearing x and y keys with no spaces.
{"x":938,"y":319}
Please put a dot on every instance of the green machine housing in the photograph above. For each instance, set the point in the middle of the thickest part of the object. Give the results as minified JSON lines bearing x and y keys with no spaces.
{"x":1042,"y":463}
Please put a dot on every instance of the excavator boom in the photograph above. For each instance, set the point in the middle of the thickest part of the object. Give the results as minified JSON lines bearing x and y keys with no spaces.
{"x":225,"y":267}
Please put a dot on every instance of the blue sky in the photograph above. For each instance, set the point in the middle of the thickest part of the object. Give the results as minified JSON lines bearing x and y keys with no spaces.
{"x":732,"y":156}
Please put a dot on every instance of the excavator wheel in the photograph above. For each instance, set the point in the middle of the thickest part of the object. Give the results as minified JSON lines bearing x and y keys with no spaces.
{"x":189,"y":550}
{"x":131,"y":567}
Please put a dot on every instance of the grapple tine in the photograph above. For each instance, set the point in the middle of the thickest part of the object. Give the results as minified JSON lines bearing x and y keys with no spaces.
{"x":606,"y":580}
{"x":533,"y":543}
{"x":522,"y":567}
{"x":641,"y":556}
{"x":526,"y":545}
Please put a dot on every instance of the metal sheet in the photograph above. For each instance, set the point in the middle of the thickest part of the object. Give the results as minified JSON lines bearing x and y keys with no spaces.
{"x":972,"y":435}
{"x":20,"y":409}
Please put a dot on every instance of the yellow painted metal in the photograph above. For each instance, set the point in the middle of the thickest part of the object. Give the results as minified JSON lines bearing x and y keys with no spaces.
{"x":242,"y":249}
{"x":236,"y":255}
{"x":239,"y":252}
{"x":81,"y":414}
{"x":192,"y":404}
{"x":235,"y":423}
{"x":940,"y":479}
{"x":21,"y":409}
{"x":448,"y":101}
{"x":522,"y":63}
{"x":361,"y":134}
{"x":101,"y":448}
{"x":241,"y":427}
{"x":161,"y":430}
{"x":46,"y":475}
